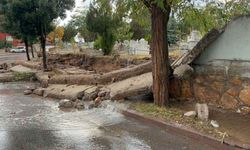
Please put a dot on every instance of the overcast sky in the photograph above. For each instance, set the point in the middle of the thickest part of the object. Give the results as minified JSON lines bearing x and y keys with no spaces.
{"x":79,"y":5}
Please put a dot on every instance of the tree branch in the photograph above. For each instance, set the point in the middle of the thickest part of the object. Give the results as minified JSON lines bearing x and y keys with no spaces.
{"x":147,"y":3}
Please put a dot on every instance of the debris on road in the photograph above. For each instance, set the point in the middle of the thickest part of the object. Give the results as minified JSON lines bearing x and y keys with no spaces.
{"x":215,"y":124}
{"x":190,"y":114}
{"x":79,"y":105}
{"x":27,"y":92}
{"x":98,"y":101}
{"x":202,"y":111}
{"x":39,"y":91}
{"x":65,"y":103}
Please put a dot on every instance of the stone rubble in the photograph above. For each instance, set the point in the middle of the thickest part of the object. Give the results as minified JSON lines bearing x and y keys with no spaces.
{"x":202,"y":111}
{"x":79,"y":105}
{"x":27,"y":92}
{"x":65,"y":103}
{"x":190,"y":114}
{"x":215,"y":124}
{"x":245,"y":110}
{"x":39,"y":91}
{"x":98,"y":101}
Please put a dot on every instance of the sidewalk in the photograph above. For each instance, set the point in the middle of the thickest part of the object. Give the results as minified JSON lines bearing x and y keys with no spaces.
{"x":235,"y":125}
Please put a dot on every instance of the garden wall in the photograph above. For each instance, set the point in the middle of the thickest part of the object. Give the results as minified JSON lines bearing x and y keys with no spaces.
{"x":222,"y":83}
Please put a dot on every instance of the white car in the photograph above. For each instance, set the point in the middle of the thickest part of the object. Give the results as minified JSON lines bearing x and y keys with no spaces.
{"x":19,"y":49}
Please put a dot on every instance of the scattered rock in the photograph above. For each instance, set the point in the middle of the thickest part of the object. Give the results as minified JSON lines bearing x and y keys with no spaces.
{"x":65,"y":103}
{"x":91,"y":105}
{"x":39,"y":91}
{"x":202,"y":111}
{"x":245,"y":110}
{"x":80,"y":95}
{"x":90,"y":96}
{"x":32,"y":88}
{"x":102,"y":94}
{"x":190,"y":114}
{"x":84,"y":98}
{"x":79,"y":105}
{"x":98,"y":101}
{"x":43,"y":79}
{"x":27,"y":92}
{"x":215,"y":124}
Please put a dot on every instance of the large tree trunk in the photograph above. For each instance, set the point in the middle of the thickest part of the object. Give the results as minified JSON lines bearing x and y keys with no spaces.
{"x":27,"y":49}
{"x":43,"y":44}
{"x":160,"y":55}
{"x":32,"y":51}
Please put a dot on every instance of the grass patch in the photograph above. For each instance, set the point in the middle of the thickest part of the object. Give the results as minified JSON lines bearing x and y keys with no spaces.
{"x":24,"y":76}
{"x":175,"y":115}
{"x":153,"y":110}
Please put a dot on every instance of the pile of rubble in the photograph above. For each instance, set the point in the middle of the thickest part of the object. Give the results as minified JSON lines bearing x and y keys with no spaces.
{"x":87,"y":98}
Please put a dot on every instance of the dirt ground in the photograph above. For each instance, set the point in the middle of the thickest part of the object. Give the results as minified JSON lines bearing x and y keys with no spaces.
{"x":96,"y":64}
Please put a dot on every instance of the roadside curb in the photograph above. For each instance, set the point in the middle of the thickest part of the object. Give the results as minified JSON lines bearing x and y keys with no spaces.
{"x":180,"y":129}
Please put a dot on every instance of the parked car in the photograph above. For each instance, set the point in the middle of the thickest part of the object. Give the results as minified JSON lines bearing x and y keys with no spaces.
{"x":19,"y":49}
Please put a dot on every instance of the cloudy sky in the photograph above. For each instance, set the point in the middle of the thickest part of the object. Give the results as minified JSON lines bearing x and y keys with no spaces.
{"x":79,"y":5}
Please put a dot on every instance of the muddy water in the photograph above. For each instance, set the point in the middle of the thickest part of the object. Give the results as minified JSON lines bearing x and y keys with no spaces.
{"x":31,"y":122}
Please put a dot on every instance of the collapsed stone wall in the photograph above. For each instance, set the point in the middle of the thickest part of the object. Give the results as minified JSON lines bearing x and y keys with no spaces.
{"x":98,"y":64}
{"x":227,"y":87}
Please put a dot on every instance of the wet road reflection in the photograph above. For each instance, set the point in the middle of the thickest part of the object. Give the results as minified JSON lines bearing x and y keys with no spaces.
{"x":35,"y":123}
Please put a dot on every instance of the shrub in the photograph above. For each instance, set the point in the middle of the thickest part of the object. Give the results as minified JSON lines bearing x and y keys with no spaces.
{"x":105,"y":24}
{"x":97,"y":43}
{"x":108,"y":42}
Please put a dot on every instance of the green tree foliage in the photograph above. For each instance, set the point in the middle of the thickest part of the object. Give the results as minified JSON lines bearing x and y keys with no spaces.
{"x":213,"y":14}
{"x":102,"y":20}
{"x":78,"y":24}
{"x":69,"y":33}
{"x":124,"y":32}
{"x":34,"y":18}
{"x":172,"y":31}
{"x":140,"y":22}
{"x":2,"y":16}
{"x":18,"y":22}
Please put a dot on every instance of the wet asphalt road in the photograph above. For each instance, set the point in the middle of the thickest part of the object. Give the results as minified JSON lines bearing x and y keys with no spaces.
{"x":11,"y":57}
{"x":35,"y":123}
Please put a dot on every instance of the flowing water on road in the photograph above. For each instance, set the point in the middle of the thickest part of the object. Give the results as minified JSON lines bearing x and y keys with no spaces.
{"x":31,"y":122}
